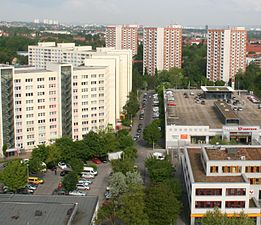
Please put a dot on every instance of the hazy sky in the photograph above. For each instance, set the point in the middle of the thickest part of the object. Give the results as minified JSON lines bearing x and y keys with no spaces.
{"x":147,"y":12}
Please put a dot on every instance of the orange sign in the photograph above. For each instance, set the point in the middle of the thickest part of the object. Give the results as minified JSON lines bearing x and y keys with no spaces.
{"x":184,"y":136}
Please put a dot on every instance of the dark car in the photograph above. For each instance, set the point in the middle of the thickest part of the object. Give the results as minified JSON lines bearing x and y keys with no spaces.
{"x":104,"y":159}
{"x":140,"y":126}
{"x":139,"y":130}
{"x":64,"y":172}
{"x":141,"y":116}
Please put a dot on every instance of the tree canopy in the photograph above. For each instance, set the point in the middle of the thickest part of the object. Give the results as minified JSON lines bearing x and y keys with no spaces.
{"x":14,"y":175}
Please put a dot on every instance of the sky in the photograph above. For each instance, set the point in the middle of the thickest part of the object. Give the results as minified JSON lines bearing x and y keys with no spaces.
{"x":145,"y":12}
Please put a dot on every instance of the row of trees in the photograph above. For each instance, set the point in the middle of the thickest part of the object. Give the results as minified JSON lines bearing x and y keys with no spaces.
{"x":250,"y":79}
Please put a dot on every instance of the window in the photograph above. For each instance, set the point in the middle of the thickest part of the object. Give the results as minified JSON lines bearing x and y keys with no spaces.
{"x":231,"y":169}
{"x":235,"y":204}
{"x":40,"y":79}
{"x":52,"y":78}
{"x":207,"y":204}
{"x":29,"y":80}
{"x":235,"y":191}
{"x":29,"y":94}
{"x":208,"y":191}
{"x":213,"y":169}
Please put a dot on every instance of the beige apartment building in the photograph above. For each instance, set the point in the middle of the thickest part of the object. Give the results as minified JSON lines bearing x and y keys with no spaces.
{"x":40,"y":105}
{"x":162,"y":48}
{"x":122,"y":37}
{"x":226,"y":54}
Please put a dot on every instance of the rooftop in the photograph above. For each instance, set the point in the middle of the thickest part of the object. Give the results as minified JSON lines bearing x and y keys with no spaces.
{"x":43,"y":210}
{"x":226,"y":110}
{"x":234,"y":153}
{"x":199,"y":173}
{"x":217,"y":88}
{"x":32,"y":70}
{"x":190,"y":113}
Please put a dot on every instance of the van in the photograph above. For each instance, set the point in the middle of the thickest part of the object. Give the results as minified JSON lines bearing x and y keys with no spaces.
{"x":89,"y":170}
{"x":35,"y":180}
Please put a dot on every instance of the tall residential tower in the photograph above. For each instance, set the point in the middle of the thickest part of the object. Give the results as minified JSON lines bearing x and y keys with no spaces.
{"x":162,"y":48}
{"x":226,"y":54}
{"x":122,"y":37}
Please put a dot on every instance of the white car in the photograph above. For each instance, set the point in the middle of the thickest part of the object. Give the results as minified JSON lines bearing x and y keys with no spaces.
{"x":77,"y":193}
{"x":62,"y":165}
{"x":155,"y":109}
{"x":158,"y":155}
{"x":85,"y":182}
{"x":82,"y":187}
{"x":87,"y":175}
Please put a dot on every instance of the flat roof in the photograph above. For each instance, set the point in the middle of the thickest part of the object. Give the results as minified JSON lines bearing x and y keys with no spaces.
{"x":226,"y":110}
{"x":217,"y":89}
{"x":21,"y":209}
{"x":190,"y":113}
{"x":199,"y":172}
{"x":89,"y":67}
{"x":234,"y":153}
{"x":27,"y":70}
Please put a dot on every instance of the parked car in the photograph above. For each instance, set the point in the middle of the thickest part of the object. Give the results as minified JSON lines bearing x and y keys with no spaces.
{"x":35,"y":180}
{"x":82,"y":187}
{"x":96,"y":161}
{"x":64,"y":172}
{"x":141,"y":117}
{"x":87,"y":175}
{"x":140,"y":126}
{"x":104,"y":159}
{"x":62,"y":165}
{"x":85,"y":182}
{"x":107,"y":194}
{"x":31,"y":186}
{"x":77,"y":193}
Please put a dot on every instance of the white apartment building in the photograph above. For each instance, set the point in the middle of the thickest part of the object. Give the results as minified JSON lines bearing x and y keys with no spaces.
{"x":40,"y":105}
{"x":226,"y":54}
{"x":119,"y":62}
{"x":228,"y":178}
{"x":162,"y":48}
{"x":122,"y":37}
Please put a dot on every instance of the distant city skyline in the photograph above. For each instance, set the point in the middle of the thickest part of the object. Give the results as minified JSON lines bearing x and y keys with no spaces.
{"x":186,"y":12}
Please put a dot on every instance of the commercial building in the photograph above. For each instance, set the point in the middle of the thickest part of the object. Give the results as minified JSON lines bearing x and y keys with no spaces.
{"x":122,"y":37}
{"x":43,"y":210}
{"x":162,"y":48}
{"x":226,"y":54}
{"x":228,"y":178}
{"x":193,"y":119}
{"x":40,"y":105}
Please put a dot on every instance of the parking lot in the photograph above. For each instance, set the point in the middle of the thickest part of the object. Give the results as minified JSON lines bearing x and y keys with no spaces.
{"x":191,"y":113}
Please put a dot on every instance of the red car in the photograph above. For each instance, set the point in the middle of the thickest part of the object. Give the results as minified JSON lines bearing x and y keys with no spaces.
{"x":96,"y":161}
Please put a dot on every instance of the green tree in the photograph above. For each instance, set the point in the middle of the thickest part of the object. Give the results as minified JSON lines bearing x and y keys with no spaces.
{"x":132,"y":206}
{"x":107,"y":213}
{"x":151,"y":133}
{"x":132,"y":105}
{"x":77,"y":165}
{"x":14,"y":175}
{"x":159,"y":170}
{"x":216,"y":217}
{"x":66,"y":146}
{"x":54,"y":154}
{"x":130,"y":153}
{"x":40,"y":152}
{"x":133,"y":178}
{"x":122,"y":165}
{"x":4,"y":149}
{"x":124,"y":141}
{"x":35,"y":165}
{"x":118,"y":184}
{"x":93,"y":143}
{"x":162,"y":205}
{"x":70,"y":180}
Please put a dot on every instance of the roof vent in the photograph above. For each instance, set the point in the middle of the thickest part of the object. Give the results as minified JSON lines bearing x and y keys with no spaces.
{"x":243,"y":157}
{"x":227,"y":110}
{"x":228,"y":158}
{"x":15,"y":217}
{"x":38,"y":213}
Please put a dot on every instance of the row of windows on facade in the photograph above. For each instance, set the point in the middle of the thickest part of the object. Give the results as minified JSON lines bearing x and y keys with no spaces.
{"x":218,"y":191}
{"x":31,"y":129}
{"x":214,"y":204}
{"x":86,"y":82}
{"x":31,"y":79}
{"x":236,"y":169}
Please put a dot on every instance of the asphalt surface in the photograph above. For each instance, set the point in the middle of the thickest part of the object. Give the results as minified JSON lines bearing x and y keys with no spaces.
{"x":144,"y":151}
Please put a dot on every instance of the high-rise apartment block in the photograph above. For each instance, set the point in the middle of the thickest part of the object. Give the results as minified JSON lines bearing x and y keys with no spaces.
{"x":122,"y":37}
{"x":226,"y":54}
{"x":53,"y":99}
{"x":162,"y":48}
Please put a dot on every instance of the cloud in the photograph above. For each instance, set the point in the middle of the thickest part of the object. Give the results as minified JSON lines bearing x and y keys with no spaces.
{"x":248,"y":5}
